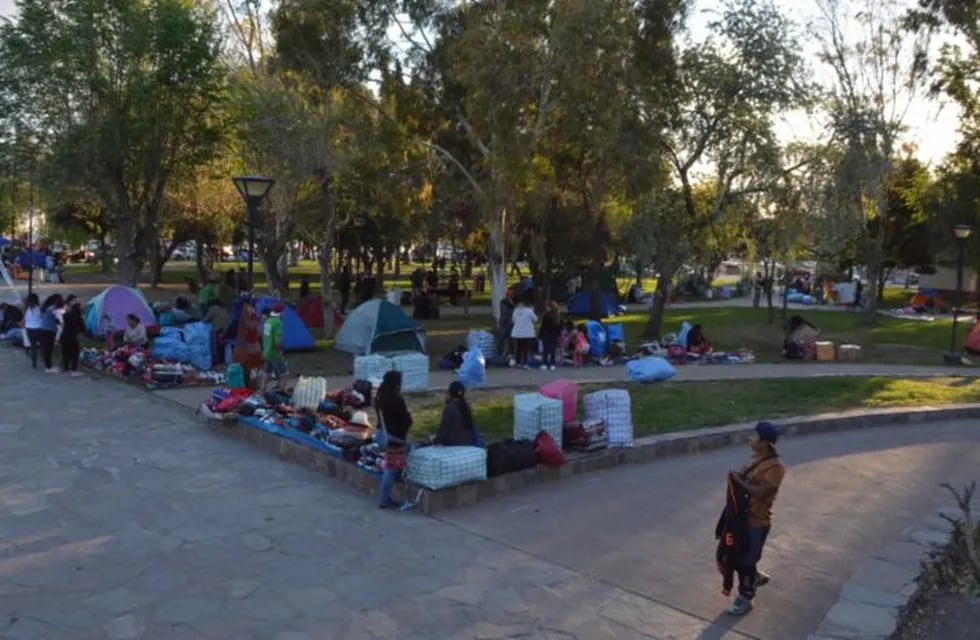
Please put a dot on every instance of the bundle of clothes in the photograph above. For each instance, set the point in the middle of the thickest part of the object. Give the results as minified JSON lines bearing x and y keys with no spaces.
{"x":691,"y":345}
{"x":339,"y":425}
{"x":137,"y":364}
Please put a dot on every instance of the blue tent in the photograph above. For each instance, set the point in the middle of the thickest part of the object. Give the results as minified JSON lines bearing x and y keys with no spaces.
{"x":581,"y":305}
{"x":295,"y":335}
{"x":377,"y":326}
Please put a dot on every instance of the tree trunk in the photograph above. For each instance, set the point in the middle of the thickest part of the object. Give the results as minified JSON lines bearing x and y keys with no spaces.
{"x":326,"y":284}
{"x":870,"y":316}
{"x":127,"y":269}
{"x":497,"y":262}
{"x":202,"y":267}
{"x":655,"y":323}
{"x":104,"y":258}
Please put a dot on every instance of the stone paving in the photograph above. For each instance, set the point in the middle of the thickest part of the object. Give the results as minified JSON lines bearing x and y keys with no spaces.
{"x":122,"y":518}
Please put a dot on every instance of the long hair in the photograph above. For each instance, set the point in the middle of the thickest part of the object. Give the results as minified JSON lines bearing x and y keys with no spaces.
{"x":389,"y":389}
{"x":32,"y":301}
{"x":54,"y":301}
{"x":457,"y":394}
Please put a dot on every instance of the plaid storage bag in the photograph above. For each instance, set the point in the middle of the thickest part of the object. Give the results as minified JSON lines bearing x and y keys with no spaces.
{"x":371,"y":367}
{"x":534,"y":413}
{"x":612,"y":406}
{"x":440,"y":467}
{"x":415,"y":371}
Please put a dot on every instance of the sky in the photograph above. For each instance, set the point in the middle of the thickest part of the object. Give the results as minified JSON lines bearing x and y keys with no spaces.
{"x":931,"y":125}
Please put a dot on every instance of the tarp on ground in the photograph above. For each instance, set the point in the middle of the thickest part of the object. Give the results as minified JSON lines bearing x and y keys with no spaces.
{"x":581,"y":304}
{"x":110,"y":308}
{"x":295,"y":335}
{"x":377,"y":326}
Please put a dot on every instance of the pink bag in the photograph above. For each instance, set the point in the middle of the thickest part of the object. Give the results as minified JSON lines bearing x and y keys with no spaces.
{"x":567,"y":392}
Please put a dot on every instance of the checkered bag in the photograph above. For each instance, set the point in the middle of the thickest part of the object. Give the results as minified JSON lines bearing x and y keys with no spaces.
{"x":309,"y":392}
{"x":372,"y":367}
{"x":612,"y":406}
{"x":483,"y":341}
{"x":567,"y":392}
{"x":534,"y":413}
{"x":441,"y":467}
{"x":415,"y":371}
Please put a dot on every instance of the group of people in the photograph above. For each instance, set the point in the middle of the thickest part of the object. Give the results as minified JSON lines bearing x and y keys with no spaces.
{"x":456,"y":429}
{"x":516,"y":334}
{"x":58,"y":321}
{"x":257,"y":345}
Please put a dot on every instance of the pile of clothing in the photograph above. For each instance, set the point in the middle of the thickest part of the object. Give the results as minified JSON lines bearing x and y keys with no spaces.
{"x":137,"y":364}
{"x":339,"y":425}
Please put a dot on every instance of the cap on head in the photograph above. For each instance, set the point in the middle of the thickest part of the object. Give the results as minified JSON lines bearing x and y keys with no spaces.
{"x":767,"y":432}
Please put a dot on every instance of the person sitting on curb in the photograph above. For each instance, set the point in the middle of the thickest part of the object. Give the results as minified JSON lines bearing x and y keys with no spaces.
{"x":760,"y":478}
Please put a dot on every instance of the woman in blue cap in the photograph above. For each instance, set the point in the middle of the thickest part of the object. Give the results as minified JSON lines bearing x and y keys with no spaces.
{"x":760,"y":478}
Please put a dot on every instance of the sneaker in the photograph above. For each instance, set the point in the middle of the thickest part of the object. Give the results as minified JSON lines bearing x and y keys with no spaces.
{"x":762,"y":578}
{"x":76,"y":374}
{"x":552,"y":367}
{"x":544,"y":367}
{"x":52,"y":370}
{"x":389,"y":504}
{"x":739,"y":607}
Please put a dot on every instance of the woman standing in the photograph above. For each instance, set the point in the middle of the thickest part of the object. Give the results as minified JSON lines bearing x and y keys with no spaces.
{"x":248,"y":346}
{"x":523,"y":332}
{"x":49,"y":329}
{"x":72,"y":326}
{"x":549,"y":332}
{"x":394,"y":420}
{"x":32,"y":326}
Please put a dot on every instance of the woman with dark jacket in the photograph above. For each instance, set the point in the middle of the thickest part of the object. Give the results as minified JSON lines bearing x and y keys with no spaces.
{"x":72,"y":326}
{"x":457,"y":428}
{"x":549,"y":333}
{"x":395,"y":419}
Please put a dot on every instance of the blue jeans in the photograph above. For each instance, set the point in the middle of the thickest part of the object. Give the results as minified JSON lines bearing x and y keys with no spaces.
{"x":748,"y":572}
{"x":388,"y":479}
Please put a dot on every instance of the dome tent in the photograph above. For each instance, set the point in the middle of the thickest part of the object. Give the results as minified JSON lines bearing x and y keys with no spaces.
{"x":377,"y":326}
{"x":110,"y":308}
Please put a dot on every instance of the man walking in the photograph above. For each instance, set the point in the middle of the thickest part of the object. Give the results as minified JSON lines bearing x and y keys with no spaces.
{"x":275,"y":364}
{"x":760,"y":479}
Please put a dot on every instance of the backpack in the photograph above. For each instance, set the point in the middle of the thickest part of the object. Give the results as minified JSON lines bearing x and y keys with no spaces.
{"x":547,"y":450}
{"x":510,"y":455}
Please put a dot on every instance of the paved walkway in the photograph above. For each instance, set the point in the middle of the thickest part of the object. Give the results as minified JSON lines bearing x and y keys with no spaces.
{"x":516,"y":378}
{"x":121,"y":518}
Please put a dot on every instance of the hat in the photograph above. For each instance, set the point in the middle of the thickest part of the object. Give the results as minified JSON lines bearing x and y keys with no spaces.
{"x":278,"y":308}
{"x":360,"y":419}
{"x":767,"y":432}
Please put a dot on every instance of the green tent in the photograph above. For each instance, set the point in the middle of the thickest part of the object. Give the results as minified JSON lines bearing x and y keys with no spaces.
{"x":377,"y":326}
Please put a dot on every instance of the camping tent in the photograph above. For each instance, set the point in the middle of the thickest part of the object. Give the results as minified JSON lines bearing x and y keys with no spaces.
{"x":377,"y":326}
{"x":581,"y":305}
{"x":928,"y":300}
{"x":295,"y":335}
{"x":110,"y":308}
{"x":310,"y":310}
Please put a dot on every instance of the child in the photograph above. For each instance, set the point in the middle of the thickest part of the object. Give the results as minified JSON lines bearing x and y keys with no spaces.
{"x":566,"y":342}
{"x":581,"y":345}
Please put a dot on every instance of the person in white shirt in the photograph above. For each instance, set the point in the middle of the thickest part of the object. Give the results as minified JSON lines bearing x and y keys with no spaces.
{"x":523,"y":332}
{"x":32,"y":325}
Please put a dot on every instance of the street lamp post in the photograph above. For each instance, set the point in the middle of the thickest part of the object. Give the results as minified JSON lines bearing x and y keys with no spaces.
{"x":962,"y":232}
{"x":253,"y":190}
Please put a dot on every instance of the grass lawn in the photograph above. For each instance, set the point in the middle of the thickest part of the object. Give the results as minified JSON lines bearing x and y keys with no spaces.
{"x":685,"y":406}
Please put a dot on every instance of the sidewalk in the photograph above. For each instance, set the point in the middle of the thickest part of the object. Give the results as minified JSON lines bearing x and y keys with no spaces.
{"x":517,"y":378}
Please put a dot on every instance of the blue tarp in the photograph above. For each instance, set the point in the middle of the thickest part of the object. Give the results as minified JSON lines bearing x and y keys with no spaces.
{"x":300,"y":438}
{"x":651,"y":369}
{"x":581,"y":305}
{"x":598,"y":340}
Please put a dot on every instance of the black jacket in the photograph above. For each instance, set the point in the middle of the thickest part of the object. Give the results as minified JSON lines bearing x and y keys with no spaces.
{"x":72,"y":327}
{"x":454,"y":430}
{"x":394,"y":414}
{"x":550,"y":327}
{"x":732,"y":533}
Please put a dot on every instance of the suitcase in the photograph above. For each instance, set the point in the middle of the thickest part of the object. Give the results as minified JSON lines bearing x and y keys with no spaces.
{"x":612,"y":406}
{"x":441,"y":467}
{"x":567,"y":392}
{"x":849,"y":353}
{"x":508,"y":456}
{"x":825,"y":351}
{"x":534,"y":413}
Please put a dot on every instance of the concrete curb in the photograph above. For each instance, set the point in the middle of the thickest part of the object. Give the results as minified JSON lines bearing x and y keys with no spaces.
{"x":872,"y":602}
{"x":645,"y":450}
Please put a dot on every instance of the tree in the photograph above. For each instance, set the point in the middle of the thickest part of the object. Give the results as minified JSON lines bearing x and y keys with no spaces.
{"x":126,"y":94}
{"x":878,"y":71}
{"x":725,"y":91}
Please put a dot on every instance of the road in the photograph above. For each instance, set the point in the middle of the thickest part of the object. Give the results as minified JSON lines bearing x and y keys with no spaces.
{"x":122,"y":518}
